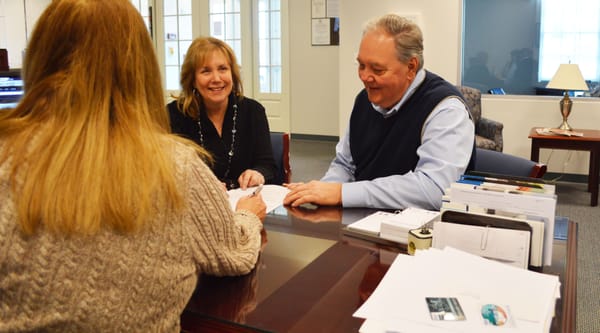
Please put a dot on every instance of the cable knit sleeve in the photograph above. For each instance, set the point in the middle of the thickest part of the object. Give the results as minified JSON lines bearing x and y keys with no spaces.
{"x":222,"y":242}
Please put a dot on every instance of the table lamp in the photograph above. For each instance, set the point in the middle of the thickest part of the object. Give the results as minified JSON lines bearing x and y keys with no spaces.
{"x":567,"y":77}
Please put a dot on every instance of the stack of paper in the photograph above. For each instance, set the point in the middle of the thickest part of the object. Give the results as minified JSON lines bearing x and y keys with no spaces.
{"x":393,"y":226}
{"x":489,"y":295}
{"x":396,"y":227}
{"x":518,"y":199}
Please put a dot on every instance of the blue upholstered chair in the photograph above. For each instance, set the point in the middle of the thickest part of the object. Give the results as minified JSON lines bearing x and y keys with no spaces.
{"x":496,"y":162}
{"x":281,"y":152}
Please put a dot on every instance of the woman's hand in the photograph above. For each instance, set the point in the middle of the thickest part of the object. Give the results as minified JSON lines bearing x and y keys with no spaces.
{"x":250,"y":178}
{"x":253,"y":203}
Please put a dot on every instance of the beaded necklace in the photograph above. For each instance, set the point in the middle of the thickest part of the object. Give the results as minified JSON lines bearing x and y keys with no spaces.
{"x":229,"y":183}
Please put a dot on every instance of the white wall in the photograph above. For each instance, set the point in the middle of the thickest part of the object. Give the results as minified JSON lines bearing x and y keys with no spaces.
{"x":13,"y":30}
{"x":314,"y":75}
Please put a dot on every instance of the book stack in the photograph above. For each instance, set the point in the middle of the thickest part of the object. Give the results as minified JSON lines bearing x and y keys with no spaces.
{"x":392,"y":226}
{"x":397,"y":228}
{"x":520,"y":199}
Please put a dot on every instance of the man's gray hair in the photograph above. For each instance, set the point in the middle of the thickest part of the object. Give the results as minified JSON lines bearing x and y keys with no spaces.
{"x":407,"y":36}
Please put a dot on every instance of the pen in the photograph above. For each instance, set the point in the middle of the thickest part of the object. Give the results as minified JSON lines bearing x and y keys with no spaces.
{"x":257,"y":190}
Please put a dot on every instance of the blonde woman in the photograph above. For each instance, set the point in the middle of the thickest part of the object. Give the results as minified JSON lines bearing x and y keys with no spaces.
{"x":212,"y":110}
{"x":106,"y":219}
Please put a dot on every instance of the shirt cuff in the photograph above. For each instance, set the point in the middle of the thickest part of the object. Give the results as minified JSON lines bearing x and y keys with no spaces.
{"x":352,"y":195}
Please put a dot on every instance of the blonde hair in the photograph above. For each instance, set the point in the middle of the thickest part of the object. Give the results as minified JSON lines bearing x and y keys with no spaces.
{"x":87,"y":144}
{"x":407,"y":36}
{"x":196,"y":55}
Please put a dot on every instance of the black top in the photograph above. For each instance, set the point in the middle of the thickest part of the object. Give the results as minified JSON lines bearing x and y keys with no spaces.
{"x":252,"y":146}
{"x":389,"y":146}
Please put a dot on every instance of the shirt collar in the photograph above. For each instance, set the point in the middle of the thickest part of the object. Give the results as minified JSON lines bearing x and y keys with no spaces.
{"x":419,"y":78}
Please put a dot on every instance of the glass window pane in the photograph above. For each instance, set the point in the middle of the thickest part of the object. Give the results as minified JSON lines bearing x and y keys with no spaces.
{"x":264,"y":79}
{"x":230,"y":6}
{"x":172,"y":53}
{"x":276,"y":79}
{"x":144,"y":8}
{"x":236,"y":45}
{"x":231,"y":26}
{"x":169,"y":7}
{"x":263,"y":52}
{"x":275,"y":52}
{"x":275,"y":25}
{"x":217,"y":26}
{"x":171,"y":31}
{"x":275,"y":5}
{"x":263,"y":5}
{"x":522,"y":56}
{"x":183,"y":47}
{"x":216,"y":6}
{"x":185,"y":7}
{"x":185,"y":27}
{"x":263,"y":25}
{"x":172,"y":77}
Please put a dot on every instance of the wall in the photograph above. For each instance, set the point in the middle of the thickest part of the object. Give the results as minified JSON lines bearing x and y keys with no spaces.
{"x":13,"y":29}
{"x":314,"y":76}
{"x":439,"y":20}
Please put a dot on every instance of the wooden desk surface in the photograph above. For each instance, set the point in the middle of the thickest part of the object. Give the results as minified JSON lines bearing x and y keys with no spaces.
{"x":588,"y":135}
{"x":311,"y":278}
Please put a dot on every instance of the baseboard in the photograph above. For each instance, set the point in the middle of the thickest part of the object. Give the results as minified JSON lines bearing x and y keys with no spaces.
{"x":312,"y":137}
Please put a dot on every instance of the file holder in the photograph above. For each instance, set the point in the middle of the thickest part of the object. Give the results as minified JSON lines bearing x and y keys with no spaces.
{"x":493,"y":237}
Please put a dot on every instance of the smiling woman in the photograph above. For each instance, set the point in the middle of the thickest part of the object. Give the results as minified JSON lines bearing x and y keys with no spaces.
{"x":212,"y":110}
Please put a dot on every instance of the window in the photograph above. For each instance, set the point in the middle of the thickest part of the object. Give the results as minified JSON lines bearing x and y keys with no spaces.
{"x":522,"y":56}
{"x":269,"y":46}
{"x":177,"y":20}
{"x":144,"y":8}
{"x":570,"y":34}
{"x":225,"y":24}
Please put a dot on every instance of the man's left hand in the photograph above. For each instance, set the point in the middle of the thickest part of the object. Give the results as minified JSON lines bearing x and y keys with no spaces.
{"x":316,"y":192}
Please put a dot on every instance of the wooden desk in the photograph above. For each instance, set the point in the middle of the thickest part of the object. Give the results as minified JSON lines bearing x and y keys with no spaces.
{"x":590,"y":141}
{"x":311,"y":278}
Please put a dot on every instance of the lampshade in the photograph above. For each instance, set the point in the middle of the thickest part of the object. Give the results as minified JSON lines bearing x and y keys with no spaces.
{"x":568,"y":77}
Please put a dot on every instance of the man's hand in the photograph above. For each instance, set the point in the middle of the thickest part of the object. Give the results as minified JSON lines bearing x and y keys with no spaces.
{"x":316,"y":192}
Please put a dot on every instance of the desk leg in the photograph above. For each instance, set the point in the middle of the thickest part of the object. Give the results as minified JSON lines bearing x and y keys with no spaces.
{"x":593,"y":176}
{"x":535,"y":150}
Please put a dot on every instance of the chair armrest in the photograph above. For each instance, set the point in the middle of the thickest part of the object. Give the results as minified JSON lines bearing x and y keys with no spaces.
{"x":490,"y":129}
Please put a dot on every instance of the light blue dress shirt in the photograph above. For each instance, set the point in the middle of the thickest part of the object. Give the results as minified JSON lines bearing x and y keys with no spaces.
{"x":444,"y":154}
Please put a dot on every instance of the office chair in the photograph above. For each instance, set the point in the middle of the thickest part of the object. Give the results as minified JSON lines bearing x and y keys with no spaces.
{"x":280,"y":143}
{"x":496,"y":162}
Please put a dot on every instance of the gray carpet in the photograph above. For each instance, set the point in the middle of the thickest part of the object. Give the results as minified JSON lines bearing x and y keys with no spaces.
{"x":310,"y":159}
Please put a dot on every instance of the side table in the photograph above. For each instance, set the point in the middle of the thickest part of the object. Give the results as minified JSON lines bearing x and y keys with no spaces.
{"x":590,"y":141}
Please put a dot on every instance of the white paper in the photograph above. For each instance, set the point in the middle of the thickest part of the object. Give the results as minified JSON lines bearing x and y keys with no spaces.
{"x":273,"y":195}
{"x":398,"y":303}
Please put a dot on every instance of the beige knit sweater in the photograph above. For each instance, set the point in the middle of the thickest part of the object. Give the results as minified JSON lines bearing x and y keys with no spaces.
{"x":116,"y":283}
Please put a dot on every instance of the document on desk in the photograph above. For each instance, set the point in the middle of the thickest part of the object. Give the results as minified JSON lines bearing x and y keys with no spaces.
{"x":398,"y":304}
{"x":272,"y":195}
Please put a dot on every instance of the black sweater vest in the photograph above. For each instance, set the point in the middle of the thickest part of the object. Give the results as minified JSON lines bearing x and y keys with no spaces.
{"x":381,"y":146}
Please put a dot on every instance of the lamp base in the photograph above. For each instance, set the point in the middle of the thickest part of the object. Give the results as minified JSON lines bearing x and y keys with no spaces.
{"x":565,"y":126}
{"x":565,"y":111}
